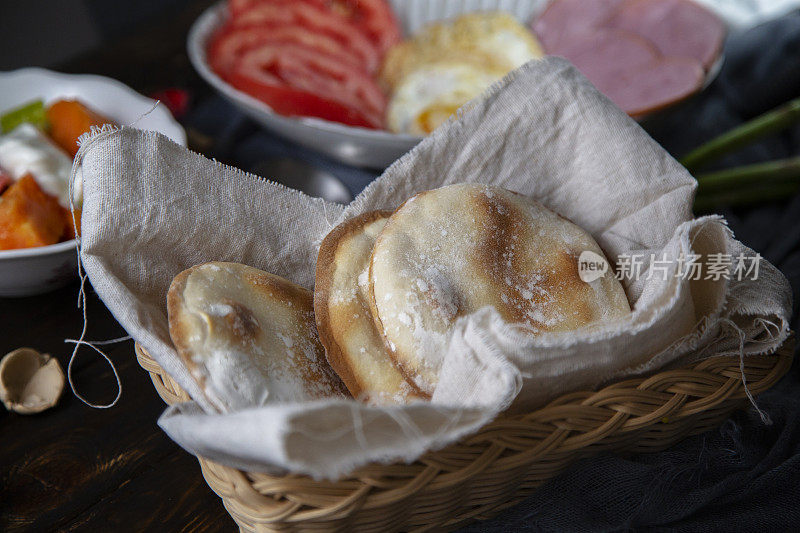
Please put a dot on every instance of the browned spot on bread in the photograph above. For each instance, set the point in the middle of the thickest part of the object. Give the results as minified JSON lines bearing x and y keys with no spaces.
{"x":497,"y":244}
{"x":341,"y":362}
{"x":279,"y":288}
{"x":178,"y":330}
{"x":241,"y":320}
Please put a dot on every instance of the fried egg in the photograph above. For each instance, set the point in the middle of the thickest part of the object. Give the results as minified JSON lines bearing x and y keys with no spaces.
{"x":445,"y":65}
{"x":428,"y":96}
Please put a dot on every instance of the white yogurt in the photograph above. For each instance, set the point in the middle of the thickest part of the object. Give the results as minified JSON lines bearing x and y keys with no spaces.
{"x":26,"y":150}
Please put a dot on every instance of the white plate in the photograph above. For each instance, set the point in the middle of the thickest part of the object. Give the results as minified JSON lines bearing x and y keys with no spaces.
{"x":30,"y":271}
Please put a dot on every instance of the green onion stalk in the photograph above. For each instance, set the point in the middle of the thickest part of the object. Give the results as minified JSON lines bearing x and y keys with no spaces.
{"x":749,"y":184}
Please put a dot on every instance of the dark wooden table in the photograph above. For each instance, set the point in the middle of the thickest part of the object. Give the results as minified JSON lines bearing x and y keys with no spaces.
{"x":83,"y":469}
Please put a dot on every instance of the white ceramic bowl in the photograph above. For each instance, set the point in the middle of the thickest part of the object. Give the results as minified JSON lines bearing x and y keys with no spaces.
{"x":31,"y":271}
{"x":352,"y":145}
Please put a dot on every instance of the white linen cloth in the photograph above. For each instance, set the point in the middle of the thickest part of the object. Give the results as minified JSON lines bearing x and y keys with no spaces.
{"x":153,"y":209}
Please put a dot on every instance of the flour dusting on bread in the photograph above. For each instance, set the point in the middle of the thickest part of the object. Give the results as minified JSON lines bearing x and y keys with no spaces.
{"x":448,"y":252}
{"x":248,"y":337}
{"x":354,"y":347}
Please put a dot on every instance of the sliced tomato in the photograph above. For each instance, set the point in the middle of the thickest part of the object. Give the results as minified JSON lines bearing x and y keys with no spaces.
{"x":230,"y":44}
{"x":312,"y":71}
{"x":315,"y":53}
{"x":292,"y":102}
{"x":375,"y":18}
{"x":313,"y":18}
{"x":237,"y":7}
{"x":381,"y":23}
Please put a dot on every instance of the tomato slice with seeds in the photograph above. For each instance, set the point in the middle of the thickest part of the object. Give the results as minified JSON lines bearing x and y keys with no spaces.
{"x":313,"y":18}
{"x":308,"y":57}
{"x":374,"y":17}
{"x":290,"y":102}
{"x":312,"y":71}
{"x":232,"y":42}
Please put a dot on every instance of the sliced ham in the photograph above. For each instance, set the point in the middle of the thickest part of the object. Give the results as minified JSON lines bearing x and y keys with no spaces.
{"x":564,"y":20}
{"x":605,"y":53}
{"x":643,"y":54}
{"x":647,"y":89}
{"x":632,"y":72}
{"x":678,"y":28}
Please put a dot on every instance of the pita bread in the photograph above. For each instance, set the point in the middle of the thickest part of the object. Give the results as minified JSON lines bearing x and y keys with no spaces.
{"x":448,"y":252}
{"x":248,"y":337}
{"x":355,"y":349}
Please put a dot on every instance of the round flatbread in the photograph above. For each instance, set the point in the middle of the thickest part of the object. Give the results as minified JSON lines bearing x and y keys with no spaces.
{"x":355,"y":349}
{"x":248,"y":337}
{"x":449,"y":252}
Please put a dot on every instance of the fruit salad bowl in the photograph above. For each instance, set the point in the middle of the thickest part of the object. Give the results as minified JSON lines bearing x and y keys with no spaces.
{"x":29,"y":271}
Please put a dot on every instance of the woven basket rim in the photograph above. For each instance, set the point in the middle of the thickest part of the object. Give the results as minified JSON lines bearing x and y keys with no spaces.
{"x":501,"y":463}
{"x":657,"y":384}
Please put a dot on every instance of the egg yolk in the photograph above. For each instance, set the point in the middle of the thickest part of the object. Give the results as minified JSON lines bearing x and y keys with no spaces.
{"x":434,"y":116}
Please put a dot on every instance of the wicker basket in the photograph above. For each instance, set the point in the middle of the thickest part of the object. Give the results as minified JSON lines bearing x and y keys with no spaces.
{"x":498,"y":466}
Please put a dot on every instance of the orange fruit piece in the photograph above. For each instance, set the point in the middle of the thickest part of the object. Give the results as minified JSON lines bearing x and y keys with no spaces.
{"x":69,"y":119}
{"x":29,"y":216}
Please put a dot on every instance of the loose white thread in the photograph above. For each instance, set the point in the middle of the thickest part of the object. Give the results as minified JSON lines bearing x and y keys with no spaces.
{"x":153,"y":108}
{"x":764,"y":416}
{"x":78,"y":342}
{"x":94,"y":131}
{"x":82,"y":292}
{"x":113,"y":369}
{"x":766,"y":325}
{"x":325,"y":215}
{"x":101,"y":343}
